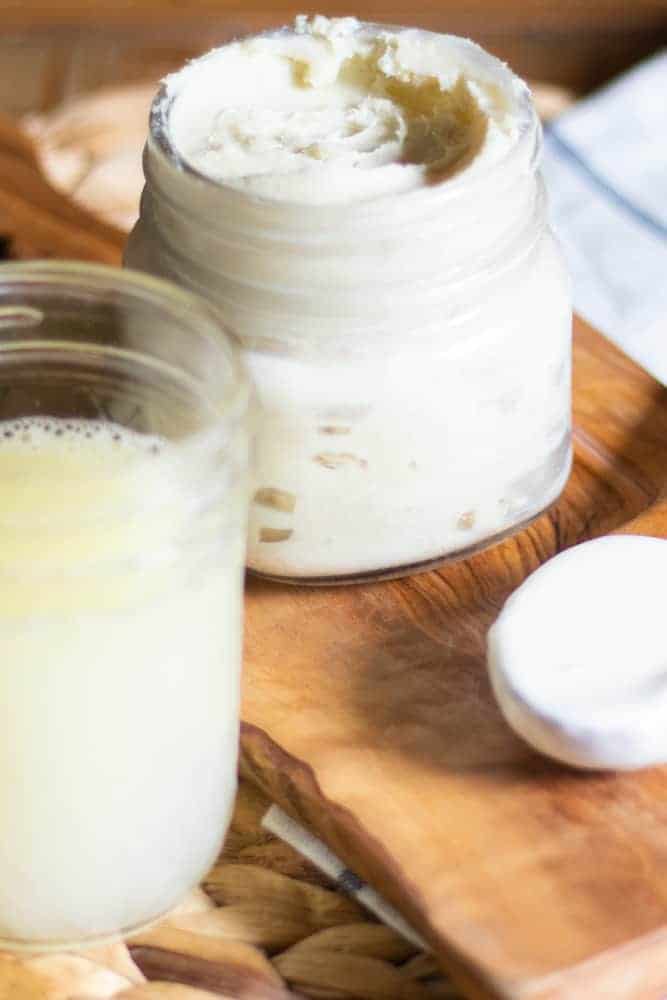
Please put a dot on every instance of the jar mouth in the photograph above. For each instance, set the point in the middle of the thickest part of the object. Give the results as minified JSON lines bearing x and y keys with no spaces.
{"x":527,"y":145}
{"x":24,"y":295}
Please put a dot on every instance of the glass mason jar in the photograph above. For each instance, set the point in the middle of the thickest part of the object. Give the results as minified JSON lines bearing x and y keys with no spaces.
{"x":411,"y":352}
{"x":122,"y":528}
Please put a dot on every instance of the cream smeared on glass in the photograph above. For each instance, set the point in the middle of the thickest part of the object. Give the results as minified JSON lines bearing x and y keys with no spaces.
{"x":334,"y":110}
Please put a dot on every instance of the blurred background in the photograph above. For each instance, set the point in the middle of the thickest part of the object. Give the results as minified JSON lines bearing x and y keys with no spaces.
{"x":77,"y":76}
{"x":51,"y":50}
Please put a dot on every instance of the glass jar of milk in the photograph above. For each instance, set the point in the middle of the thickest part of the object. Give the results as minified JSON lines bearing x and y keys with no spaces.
{"x":363,"y":204}
{"x":122,"y":528}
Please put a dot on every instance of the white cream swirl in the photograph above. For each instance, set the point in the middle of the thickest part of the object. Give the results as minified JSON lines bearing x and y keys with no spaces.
{"x":247,"y":141}
{"x":339,"y":111}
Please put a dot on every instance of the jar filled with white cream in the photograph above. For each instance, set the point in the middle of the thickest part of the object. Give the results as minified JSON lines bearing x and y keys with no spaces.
{"x":363,"y":203}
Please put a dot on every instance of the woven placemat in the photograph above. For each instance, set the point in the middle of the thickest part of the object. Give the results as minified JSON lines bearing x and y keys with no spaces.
{"x":265,"y":925}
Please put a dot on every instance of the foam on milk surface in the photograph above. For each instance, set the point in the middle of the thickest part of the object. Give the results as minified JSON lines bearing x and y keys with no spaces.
{"x":39,"y":452}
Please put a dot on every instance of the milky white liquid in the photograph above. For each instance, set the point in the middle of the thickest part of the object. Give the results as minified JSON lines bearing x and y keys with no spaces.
{"x":119,"y":675}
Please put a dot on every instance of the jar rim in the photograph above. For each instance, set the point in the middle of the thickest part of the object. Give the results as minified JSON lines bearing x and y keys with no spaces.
{"x":528,"y":130}
{"x":93,"y":280}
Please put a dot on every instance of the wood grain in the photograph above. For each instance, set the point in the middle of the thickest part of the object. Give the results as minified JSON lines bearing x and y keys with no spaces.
{"x":39,"y":220}
{"x":369,"y":716}
{"x":509,"y":13}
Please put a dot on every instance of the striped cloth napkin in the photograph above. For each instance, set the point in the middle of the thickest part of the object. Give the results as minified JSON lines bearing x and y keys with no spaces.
{"x":605,"y":165}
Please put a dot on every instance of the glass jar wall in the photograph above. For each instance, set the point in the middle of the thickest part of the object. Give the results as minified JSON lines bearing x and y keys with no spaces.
{"x":411,"y":350}
{"x":123,"y":495}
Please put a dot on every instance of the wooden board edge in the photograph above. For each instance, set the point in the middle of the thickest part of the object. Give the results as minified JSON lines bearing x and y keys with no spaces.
{"x":636,"y":969}
{"x":293,"y":785}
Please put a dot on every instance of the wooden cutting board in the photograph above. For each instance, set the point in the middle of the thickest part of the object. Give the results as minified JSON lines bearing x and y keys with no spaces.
{"x":369,"y":716}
